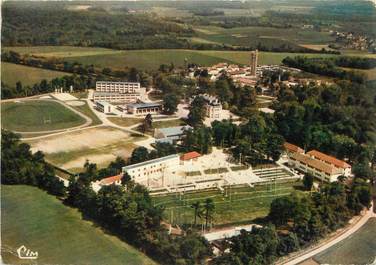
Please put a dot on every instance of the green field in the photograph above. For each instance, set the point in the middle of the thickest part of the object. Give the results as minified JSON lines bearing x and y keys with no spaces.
{"x":360,"y":248}
{"x":85,"y":109}
{"x":125,"y":122}
{"x":12,"y":73}
{"x":240,"y":205}
{"x":267,"y":36}
{"x":58,"y":233}
{"x":151,"y":59}
{"x":37,"y":115}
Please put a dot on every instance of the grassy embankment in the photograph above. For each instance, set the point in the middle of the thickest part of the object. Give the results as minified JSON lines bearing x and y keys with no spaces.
{"x":12,"y":73}
{"x":58,"y":233}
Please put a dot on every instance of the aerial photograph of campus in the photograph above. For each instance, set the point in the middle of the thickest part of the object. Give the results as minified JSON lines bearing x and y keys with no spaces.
{"x":188,"y":132}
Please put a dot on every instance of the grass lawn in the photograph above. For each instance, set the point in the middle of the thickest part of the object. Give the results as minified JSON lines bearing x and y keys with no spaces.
{"x":125,"y":122}
{"x":360,"y":248}
{"x":152,"y":59}
{"x":242,"y":206}
{"x":80,"y":95}
{"x":369,"y":73}
{"x":37,"y":115}
{"x":12,"y":73}
{"x":85,"y":109}
{"x":168,"y":123}
{"x":58,"y":233}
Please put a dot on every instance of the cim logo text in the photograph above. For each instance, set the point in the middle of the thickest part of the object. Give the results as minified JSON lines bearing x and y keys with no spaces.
{"x":25,"y":253}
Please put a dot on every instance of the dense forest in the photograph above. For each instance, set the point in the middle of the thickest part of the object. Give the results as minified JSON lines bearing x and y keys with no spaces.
{"x":329,"y":67}
{"x":27,"y":26}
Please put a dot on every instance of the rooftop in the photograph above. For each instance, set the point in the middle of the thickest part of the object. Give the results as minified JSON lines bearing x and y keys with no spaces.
{"x":317,"y":164}
{"x":161,"y":159}
{"x":190,"y":155}
{"x":144,"y":105}
{"x":117,"y":82}
{"x":329,"y":159}
{"x":110,"y":180}
{"x":292,"y":148}
{"x":100,"y":93}
{"x":172,"y":131}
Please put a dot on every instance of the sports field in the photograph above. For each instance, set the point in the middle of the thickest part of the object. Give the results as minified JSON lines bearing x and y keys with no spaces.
{"x":39,"y":221}
{"x":360,"y":248}
{"x":37,"y":115}
{"x":12,"y":73}
{"x":232,"y":206}
{"x":99,"y":145}
{"x":151,"y":59}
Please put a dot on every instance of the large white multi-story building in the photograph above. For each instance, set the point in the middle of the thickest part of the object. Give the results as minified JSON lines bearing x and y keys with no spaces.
{"x":124,"y":92}
{"x":117,"y":87}
{"x":117,"y":97}
{"x":152,"y":169}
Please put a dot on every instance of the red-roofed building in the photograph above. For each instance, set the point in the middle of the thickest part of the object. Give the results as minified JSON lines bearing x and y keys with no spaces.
{"x":291,"y":148}
{"x":330,"y":160}
{"x":190,"y":156}
{"x":111,"y":180}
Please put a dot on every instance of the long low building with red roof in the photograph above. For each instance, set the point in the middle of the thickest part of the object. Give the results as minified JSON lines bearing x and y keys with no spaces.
{"x":291,"y":148}
{"x":344,"y":167}
{"x":314,"y":167}
{"x":316,"y":163}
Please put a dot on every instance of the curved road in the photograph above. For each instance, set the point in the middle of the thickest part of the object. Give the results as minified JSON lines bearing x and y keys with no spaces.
{"x":312,"y":252}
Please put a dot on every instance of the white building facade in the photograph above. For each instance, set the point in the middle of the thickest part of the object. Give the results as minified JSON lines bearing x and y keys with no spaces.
{"x":155,"y":168}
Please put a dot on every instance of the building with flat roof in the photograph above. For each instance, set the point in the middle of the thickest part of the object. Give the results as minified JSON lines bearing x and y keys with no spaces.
{"x":104,"y":106}
{"x":152,"y":169}
{"x":117,"y":87}
{"x":117,"y":97}
{"x":125,"y":92}
{"x":144,"y":108}
{"x":170,"y":134}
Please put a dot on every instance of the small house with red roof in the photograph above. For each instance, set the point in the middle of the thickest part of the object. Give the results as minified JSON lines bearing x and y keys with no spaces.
{"x":189,"y":157}
{"x":111,"y":180}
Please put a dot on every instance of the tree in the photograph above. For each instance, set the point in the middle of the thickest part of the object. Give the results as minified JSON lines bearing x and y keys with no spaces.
{"x":147,"y":123}
{"x":287,"y":244}
{"x":197,"y":208}
{"x":194,"y":248}
{"x":140,"y":154}
{"x":197,"y":112}
{"x":209,"y":207}
{"x":170,"y":103}
{"x":308,"y":181}
{"x":281,"y":210}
